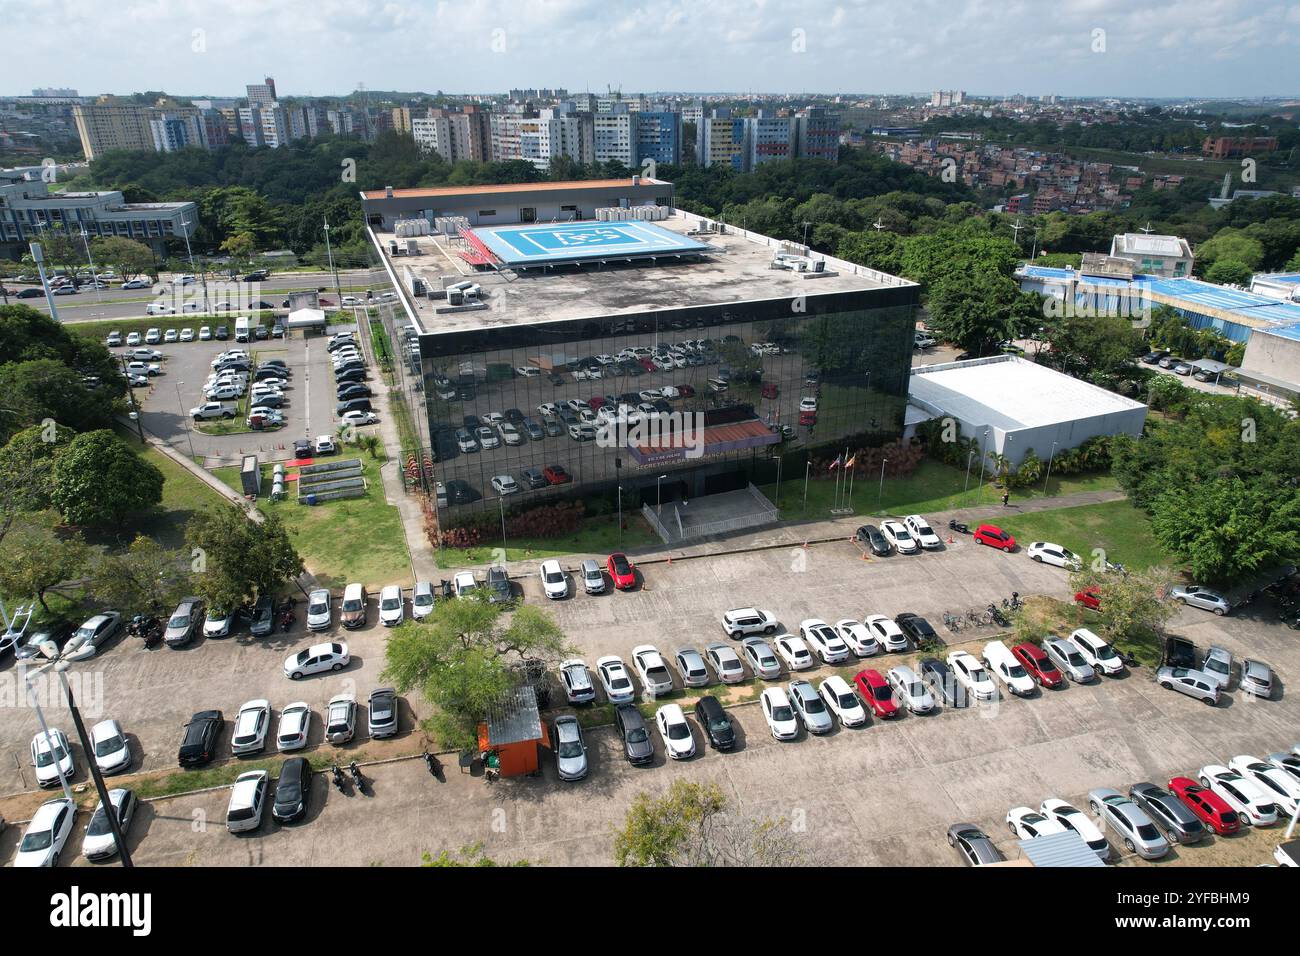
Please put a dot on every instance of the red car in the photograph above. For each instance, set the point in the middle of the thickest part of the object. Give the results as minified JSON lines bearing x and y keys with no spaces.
{"x":1038,"y":664}
{"x":1210,"y":808}
{"x":1089,"y":598}
{"x":807,"y":418}
{"x":873,"y":689}
{"x":646,"y":364}
{"x":595,"y":402}
{"x":994,"y":537}
{"x":685,"y":391}
{"x":556,"y":474}
{"x":622,"y":571}
{"x":770,"y":390}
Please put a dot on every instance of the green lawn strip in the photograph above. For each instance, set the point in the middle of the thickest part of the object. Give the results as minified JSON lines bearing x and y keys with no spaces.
{"x":186,"y":781}
{"x":355,"y":539}
{"x":1117,"y":527}
{"x":934,"y":486}
{"x":598,"y":535}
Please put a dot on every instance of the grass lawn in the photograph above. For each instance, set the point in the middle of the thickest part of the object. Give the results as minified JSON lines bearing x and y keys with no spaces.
{"x":934,"y":486}
{"x":597,"y":535}
{"x":183,"y":494}
{"x":1123,"y":531}
{"x":356,"y":539}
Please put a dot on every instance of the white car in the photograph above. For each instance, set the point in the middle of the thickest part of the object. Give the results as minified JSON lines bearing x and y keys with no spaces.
{"x":886,"y":631}
{"x":349,"y":300}
{"x":615,"y":679}
{"x":675,"y":732}
{"x":578,"y":688}
{"x":341,"y":718}
{"x":504,"y":485}
{"x":745,"y":621}
{"x":1004,"y":666}
{"x":896,"y":533}
{"x":50,"y":755}
{"x":319,"y":610}
{"x":217,"y":623}
{"x":794,"y":652}
{"x":295,"y":724}
{"x":807,"y":404}
{"x":655,"y":676}
{"x":324,"y":445}
{"x":248,"y":799}
{"x":1253,"y":803}
{"x":1044,"y":552}
{"x":824,"y":641}
{"x":464,"y":584}
{"x":857,"y":637}
{"x":99,"y":843}
{"x":779,"y":714}
{"x":1100,"y":655}
{"x":1072,"y":818}
{"x":421,"y":600}
{"x":392,"y":611}
{"x":971,"y":674}
{"x":842,"y":701}
{"x":251,"y":727}
{"x":1283,"y":788}
{"x":1027,"y":824}
{"x":909,"y":690}
{"x":922,"y":532}
{"x":358,"y":419}
{"x":112,"y":753}
{"x":46,"y":835}
{"x":554,"y":582}
{"x":317,"y":659}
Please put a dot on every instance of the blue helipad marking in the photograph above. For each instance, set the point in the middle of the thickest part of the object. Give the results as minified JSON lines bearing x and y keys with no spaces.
{"x":566,"y":242}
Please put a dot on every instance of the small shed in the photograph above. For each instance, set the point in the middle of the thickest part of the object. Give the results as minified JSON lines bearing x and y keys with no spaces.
{"x":1059,"y":849}
{"x":250,"y":475}
{"x":313,"y":319}
{"x":513,"y":731}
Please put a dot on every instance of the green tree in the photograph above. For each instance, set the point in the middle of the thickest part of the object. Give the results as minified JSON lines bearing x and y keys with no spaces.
{"x":46,"y":389}
{"x":1229,"y":271}
{"x":146,"y":577}
{"x":1230,"y":244}
{"x":236,"y":559}
{"x":98,"y":480}
{"x":40,"y":560}
{"x":973,"y":311}
{"x":127,"y":257}
{"x":25,"y":466}
{"x":1134,"y":609}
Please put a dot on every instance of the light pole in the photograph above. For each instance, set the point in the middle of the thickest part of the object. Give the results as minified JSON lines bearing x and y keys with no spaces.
{"x":659,"y":496}
{"x":39,"y":258}
{"x":966,"y":487}
{"x":806,"y":472}
{"x":94,"y":273}
{"x":805,"y":234}
{"x":501,"y":503}
{"x":984,"y":456}
{"x":330,"y":255}
{"x":778,"y":480}
{"x":180,"y":407}
{"x":1050,"y":459}
{"x":620,"y":512}
{"x":202,"y":274}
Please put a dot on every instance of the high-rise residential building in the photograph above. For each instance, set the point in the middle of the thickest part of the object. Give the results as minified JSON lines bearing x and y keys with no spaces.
{"x":947,"y":97}
{"x":768,"y":139}
{"x":817,"y":134}
{"x":693,"y":113}
{"x":216,"y":129}
{"x":584,"y":102}
{"x":250,"y":126}
{"x":175,"y":131}
{"x":720,"y":141}
{"x":658,"y":136}
{"x":107,"y":125}
{"x":613,"y":138}
{"x":262,"y":94}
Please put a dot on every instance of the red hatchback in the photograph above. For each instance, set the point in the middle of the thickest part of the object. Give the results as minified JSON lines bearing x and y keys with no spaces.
{"x":770,"y":390}
{"x":646,"y":364}
{"x":1038,"y":664}
{"x":808,"y":418}
{"x":873,"y":689}
{"x":994,"y":537}
{"x":556,"y":474}
{"x":1210,"y":808}
{"x":622,"y":571}
{"x":1089,"y":598}
{"x":685,"y":391}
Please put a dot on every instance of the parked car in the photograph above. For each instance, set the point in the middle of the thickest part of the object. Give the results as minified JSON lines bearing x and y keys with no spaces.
{"x":184,"y":622}
{"x":52,"y":757}
{"x":382,"y":713}
{"x":92,"y":636}
{"x":943,"y":682}
{"x":392,"y":608}
{"x":899,"y":538}
{"x":99,"y":843}
{"x":779,"y":714}
{"x":621,"y":571}
{"x":810,"y":707}
{"x":261,"y":617}
{"x":319,"y":613}
{"x":909,"y":690}
{"x":1256,"y":678}
{"x":972,"y":845}
{"x":1130,"y":823}
{"x":248,"y":799}
{"x":1217,"y":665}
{"x":554,"y":582}
{"x":675,"y":731}
{"x":746,"y":621}
{"x":761,"y":659}
{"x":317,"y":659}
{"x":1003,"y":665}
{"x":1194,"y":684}
{"x":47,"y":833}
{"x":292,"y":790}
{"x":691,"y":667}
{"x":1203,"y":598}
{"x":717,"y":725}
{"x":352,"y":612}
{"x":922,"y":532}
{"x":1027,"y":824}
{"x":578,"y":688}
{"x":251,"y":727}
{"x":916,"y":628}
{"x":1066,"y":656}
{"x":656,"y":679}
{"x":1075,"y":819}
{"x":1253,"y":803}
{"x":632,"y":730}
{"x":1089,"y":597}
{"x":994,"y":537}
{"x":886,"y":631}
{"x":972,"y":675}
{"x":341,"y":718}
{"x":824,"y":641}
{"x":593,"y":579}
{"x":725,"y":662}
{"x":615,"y":679}
{"x":870,"y":535}
{"x":1037,"y":664}
{"x":1170,"y":815}
{"x":1045,"y":552}
{"x":1281,"y":786}
{"x":1210,"y":808}
{"x":569,"y":748}
{"x":294,"y":727}
{"x":876,"y":692}
{"x":112,"y":752}
{"x":1097,"y":653}
{"x":842,"y":701}
{"x":199,"y":740}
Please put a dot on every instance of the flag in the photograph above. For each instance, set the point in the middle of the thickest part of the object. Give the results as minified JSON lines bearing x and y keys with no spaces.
{"x":849,"y":463}
{"x":836,"y":463}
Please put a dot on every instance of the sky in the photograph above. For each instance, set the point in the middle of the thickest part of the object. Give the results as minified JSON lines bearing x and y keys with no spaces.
{"x":1154,"y":48}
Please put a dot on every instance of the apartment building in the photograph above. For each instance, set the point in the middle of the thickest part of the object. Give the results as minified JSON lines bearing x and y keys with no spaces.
{"x":1225,"y":147}
{"x":658,"y":136}
{"x":108,"y":125}
{"x":1169,"y":256}
{"x":614,"y":137}
{"x":720,"y":141}
{"x":768,"y":139}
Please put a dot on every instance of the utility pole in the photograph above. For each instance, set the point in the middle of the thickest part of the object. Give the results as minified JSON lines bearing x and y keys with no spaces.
{"x":330,"y":255}
{"x":39,"y":258}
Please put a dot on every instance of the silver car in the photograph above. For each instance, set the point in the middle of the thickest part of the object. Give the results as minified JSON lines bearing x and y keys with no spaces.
{"x":593,"y":579}
{"x":1217,"y":666}
{"x":1068,"y":659}
{"x":761,"y":658}
{"x":691,"y":666}
{"x":1256,"y":678}
{"x":910,"y":690}
{"x":570,"y":749}
{"x":1197,"y":596}
{"x":810,"y":707}
{"x":975,"y":848}
{"x":1168,"y":813}
{"x":726,"y":663}
{"x":1193,"y":683}
{"x":1129,"y":822}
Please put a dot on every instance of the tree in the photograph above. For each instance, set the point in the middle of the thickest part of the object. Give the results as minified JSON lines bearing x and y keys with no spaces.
{"x":1134,"y":609}
{"x":690,"y":825}
{"x":241,"y":247}
{"x":973,"y":310}
{"x":236,"y":559}
{"x":1098,"y":348}
{"x":1229,"y":271}
{"x":25,"y":466}
{"x":32,"y":393}
{"x":39,"y":560}
{"x":1230,"y":244}
{"x":127,"y":257}
{"x":98,"y":480}
{"x":146,"y":576}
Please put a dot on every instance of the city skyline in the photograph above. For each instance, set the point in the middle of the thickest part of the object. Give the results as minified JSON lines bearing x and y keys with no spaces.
{"x":1177,"y":49}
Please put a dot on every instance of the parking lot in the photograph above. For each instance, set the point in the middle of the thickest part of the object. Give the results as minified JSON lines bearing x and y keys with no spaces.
{"x":882,"y":794}
{"x":308,"y":411}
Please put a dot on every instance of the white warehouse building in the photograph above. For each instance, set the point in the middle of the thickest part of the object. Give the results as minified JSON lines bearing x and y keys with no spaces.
{"x":1011,"y":405}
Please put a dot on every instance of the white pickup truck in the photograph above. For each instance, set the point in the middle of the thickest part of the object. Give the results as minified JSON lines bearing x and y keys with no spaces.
{"x":212,"y":410}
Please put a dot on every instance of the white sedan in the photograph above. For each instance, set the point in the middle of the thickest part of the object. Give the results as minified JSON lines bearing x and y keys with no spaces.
{"x":923,"y":533}
{"x":1027,"y":824}
{"x":794,"y":652}
{"x":294,"y":726}
{"x":896,"y":533}
{"x":318,"y":609}
{"x":1252,"y":802}
{"x":112,"y":754}
{"x":50,"y":756}
{"x":779,"y":714}
{"x":649,"y":664}
{"x":392,"y":609}
{"x":857,"y":637}
{"x":615,"y":679}
{"x":251,"y":726}
{"x":675,"y":731}
{"x":842,"y":701}
{"x":1003,"y":664}
{"x":554,"y":583}
{"x":1044,"y":552}
{"x":1281,"y":786}
{"x":824,"y":641}
{"x":99,"y":843}
{"x":317,"y":659}
{"x":886,"y":631}
{"x":45,"y":836}
{"x":972,"y":675}
{"x":1072,"y":818}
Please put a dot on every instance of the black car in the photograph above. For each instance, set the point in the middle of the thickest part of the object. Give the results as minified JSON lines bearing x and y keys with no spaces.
{"x":267,"y":400}
{"x":277,"y":330}
{"x":1151,"y":358}
{"x":717,"y":725}
{"x":352,"y":390}
{"x":29,"y":293}
{"x":340,"y":341}
{"x":514,"y":415}
{"x":261,"y":618}
{"x":352,"y":405}
{"x":534,"y":479}
{"x":292,"y":790}
{"x":58,"y":632}
{"x":259,"y":331}
{"x":917,"y":628}
{"x":199,"y":742}
{"x":1168,"y":813}
{"x":356,"y":374}
{"x":459,"y":492}
{"x":348,"y":366}
{"x":222,"y":333}
{"x":943,"y":682}
{"x":275,"y":363}
{"x":257,"y":275}
{"x":1180,"y":652}
{"x":499,"y":590}
{"x":637,"y":745}
{"x":555,"y":378}
{"x":870,"y":535}
{"x":303,"y":448}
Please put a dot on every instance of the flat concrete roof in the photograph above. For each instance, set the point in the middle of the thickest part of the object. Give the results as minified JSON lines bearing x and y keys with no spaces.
{"x":736,"y":269}
{"x":1008,"y":392}
{"x":572,"y":185}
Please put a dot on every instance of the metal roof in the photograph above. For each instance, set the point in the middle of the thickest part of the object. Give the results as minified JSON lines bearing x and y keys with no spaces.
{"x":1059,"y":849}
{"x":515,"y":719}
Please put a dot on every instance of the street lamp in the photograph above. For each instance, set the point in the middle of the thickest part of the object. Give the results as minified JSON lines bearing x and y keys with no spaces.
{"x":501,"y":503}
{"x":59,"y":664}
{"x":984,"y":457}
{"x":659,"y":497}
{"x":39,"y":258}
{"x":94,"y":273}
{"x":805,"y":233}
{"x":966,"y":487}
{"x":806,"y":472}
{"x":1049,"y":468}
{"x":180,"y":407}
{"x":880,"y":495}
{"x":778,"y":480}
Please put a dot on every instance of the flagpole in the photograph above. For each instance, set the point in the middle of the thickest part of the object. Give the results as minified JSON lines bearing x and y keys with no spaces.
{"x":849,"y":502}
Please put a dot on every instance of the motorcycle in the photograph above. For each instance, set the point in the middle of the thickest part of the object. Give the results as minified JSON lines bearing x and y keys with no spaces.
{"x":955,"y":525}
{"x":359,"y":780}
{"x":286,"y":621}
{"x":434,"y":767}
{"x":149,"y":629}
{"x":338,"y":778}
{"x":998,"y":617}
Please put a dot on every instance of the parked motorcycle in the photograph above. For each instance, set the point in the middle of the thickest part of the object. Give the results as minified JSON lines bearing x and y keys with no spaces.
{"x":286,"y":621}
{"x":434,"y":767}
{"x":357,"y":779}
{"x":955,"y":525}
{"x":338,"y":778}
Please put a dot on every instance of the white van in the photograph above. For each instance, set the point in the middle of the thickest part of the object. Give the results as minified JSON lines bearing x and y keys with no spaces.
{"x":241,"y":329}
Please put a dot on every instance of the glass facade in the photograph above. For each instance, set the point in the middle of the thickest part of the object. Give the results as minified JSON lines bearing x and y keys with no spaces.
{"x":751,"y":365}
